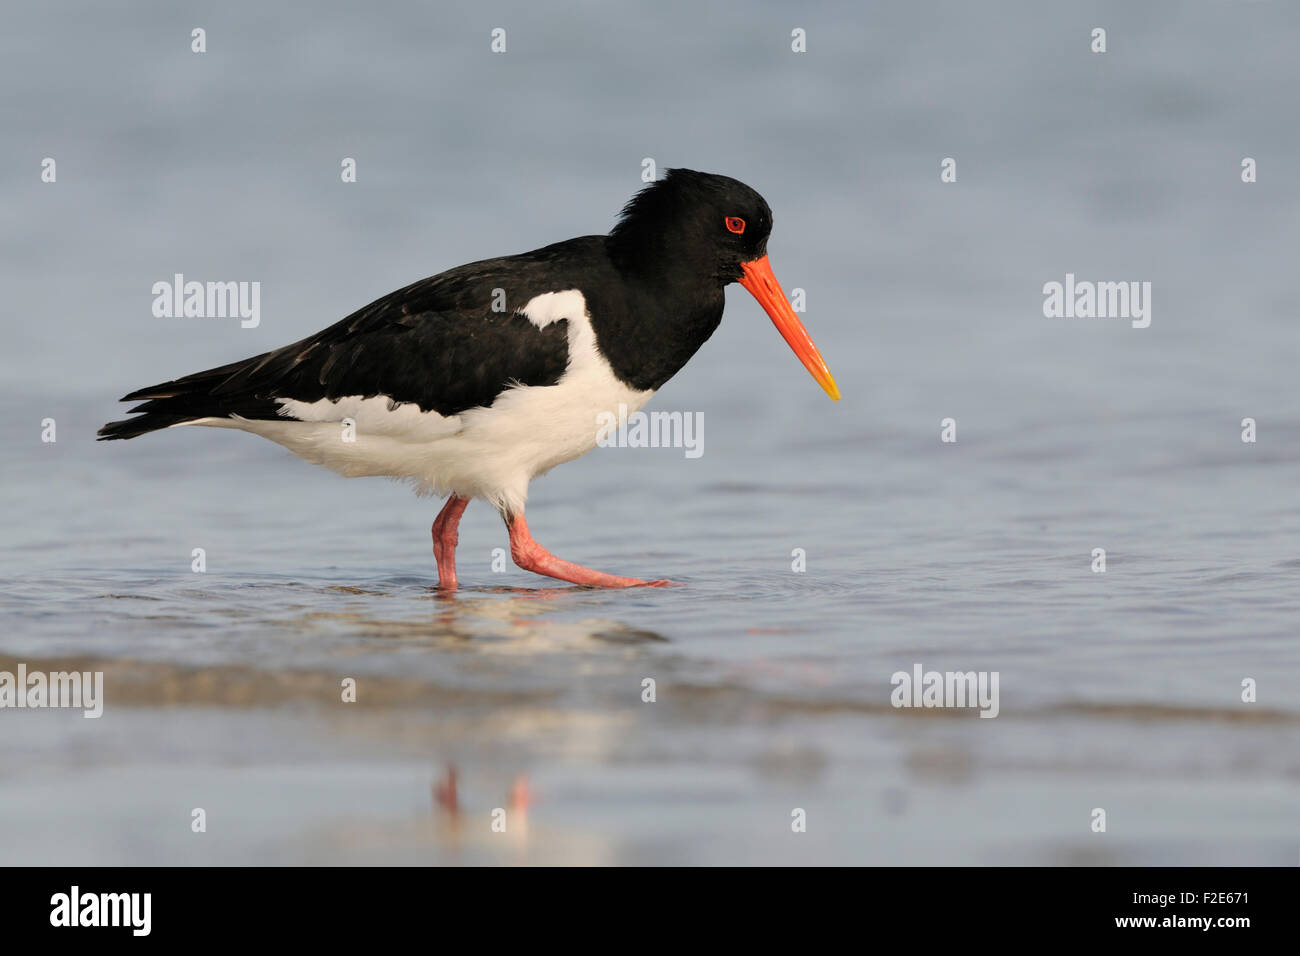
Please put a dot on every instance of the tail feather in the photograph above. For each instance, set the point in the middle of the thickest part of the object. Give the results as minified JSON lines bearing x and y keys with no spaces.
{"x":132,"y":427}
{"x":184,"y":400}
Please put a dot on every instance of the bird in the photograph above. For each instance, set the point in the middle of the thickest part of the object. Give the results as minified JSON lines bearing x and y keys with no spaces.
{"x":473,"y":382}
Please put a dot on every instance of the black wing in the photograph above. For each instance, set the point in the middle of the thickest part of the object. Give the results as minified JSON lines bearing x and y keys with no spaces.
{"x":437,"y":343}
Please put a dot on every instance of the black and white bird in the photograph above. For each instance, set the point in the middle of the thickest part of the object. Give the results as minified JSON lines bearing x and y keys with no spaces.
{"x":466,"y":399}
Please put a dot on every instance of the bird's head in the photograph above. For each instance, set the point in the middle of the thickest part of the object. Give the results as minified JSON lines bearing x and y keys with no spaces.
{"x":716,"y":228}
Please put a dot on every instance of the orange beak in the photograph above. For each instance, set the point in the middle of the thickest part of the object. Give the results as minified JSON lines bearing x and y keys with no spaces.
{"x":762,"y":285}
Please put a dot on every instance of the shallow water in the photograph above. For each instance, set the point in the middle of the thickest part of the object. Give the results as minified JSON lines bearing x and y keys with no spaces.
{"x":1119,"y":690}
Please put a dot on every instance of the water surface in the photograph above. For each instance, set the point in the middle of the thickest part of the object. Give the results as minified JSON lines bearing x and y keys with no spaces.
{"x":1119,"y":690}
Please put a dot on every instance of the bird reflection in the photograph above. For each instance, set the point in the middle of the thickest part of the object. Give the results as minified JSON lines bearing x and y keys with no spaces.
{"x":509,"y":821}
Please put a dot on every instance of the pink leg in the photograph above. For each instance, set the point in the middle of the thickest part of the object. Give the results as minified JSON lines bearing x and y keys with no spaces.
{"x":531,"y":556}
{"x":445,"y":793}
{"x":445,"y":538}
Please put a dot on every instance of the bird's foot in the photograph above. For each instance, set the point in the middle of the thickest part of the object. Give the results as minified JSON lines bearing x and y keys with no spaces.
{"x":543,"y":562}
{"x":531,"y":556}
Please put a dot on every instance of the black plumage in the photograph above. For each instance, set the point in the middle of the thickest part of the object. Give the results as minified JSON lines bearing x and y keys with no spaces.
{"x":437,"y":343}
{"x":653,"y":290}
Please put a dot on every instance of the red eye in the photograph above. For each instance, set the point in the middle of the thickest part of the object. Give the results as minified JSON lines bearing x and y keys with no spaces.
{"x":735,"y":224}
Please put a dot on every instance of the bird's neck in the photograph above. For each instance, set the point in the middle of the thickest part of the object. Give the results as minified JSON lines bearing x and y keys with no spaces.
{"x":668,"y":313}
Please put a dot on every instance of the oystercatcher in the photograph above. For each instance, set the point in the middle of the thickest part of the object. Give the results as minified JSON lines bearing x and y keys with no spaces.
{"x":473,"y":382}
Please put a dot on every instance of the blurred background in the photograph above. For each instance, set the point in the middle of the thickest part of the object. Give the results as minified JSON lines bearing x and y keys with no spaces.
{"x":1120,"y":691}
